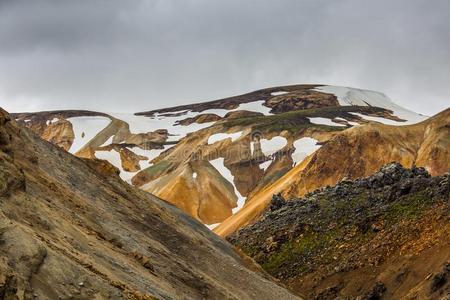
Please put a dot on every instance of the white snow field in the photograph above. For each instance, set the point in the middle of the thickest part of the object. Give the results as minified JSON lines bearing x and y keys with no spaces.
{"x":85,"y":129}
{"x":219,"y":165}
{"x":324,"y":121}
{"x":222,"y":136}
{"x":275,"y":144}
{"x":278,"y":93}
{"x":143,"y":124}
{"x":350,"y":96}
{"x":150,"y":154}
{"x":304,"y":147}
{"x":265,"y":165}
{"x":381,"y":120}
{"x":256,"y":106}
{"x":114,"y":158}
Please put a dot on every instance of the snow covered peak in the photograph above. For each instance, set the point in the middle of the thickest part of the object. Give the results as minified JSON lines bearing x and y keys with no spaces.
{"x":347,"y":96}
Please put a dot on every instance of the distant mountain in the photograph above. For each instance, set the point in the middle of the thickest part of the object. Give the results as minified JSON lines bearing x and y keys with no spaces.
{"x":70,"y":228}
{"x":213,"y":159}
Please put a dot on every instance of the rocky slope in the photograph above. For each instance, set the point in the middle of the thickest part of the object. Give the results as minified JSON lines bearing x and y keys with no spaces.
{"x":221,"y":155}
{"x":71,"y":229}
{"x":382,"y":237}
{"x":354,"y":153}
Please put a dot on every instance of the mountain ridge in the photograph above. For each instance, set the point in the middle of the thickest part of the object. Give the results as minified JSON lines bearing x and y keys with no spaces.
{"x":251,"y":140}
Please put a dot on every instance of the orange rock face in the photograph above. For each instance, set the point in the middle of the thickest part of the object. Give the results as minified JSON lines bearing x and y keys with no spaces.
{"x":59,"y":133}
{"x":198,"y":189}
{"x":200,"y":119}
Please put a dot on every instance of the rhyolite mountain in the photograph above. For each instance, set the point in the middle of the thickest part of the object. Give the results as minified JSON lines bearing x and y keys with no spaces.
{"x":70,"y":228}
{"x":221,"y":161}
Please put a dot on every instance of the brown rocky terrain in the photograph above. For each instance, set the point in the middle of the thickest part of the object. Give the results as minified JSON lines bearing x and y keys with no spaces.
{"x":71,"y":229}
{"x":232,"y":102}
{"x":356,"y":152}
{"x":382,"y":237}
{"x":200,"y":119}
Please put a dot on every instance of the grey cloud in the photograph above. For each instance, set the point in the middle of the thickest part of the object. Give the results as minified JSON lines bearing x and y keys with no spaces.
{"x":136,"y":55}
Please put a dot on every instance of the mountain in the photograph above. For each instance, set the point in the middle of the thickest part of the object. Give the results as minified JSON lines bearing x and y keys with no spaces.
{"x":70,"y":228}
{"x":381,"y":237}
{"x":214,"y":159}
{"x":354,"y":153}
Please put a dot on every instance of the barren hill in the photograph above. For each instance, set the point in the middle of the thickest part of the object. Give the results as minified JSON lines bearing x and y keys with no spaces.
{"x":71,"y":229}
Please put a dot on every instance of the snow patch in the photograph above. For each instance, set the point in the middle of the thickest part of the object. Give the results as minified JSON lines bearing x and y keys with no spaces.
{"x":279,"y":93}
{"x":256,"y":106}
{"x":269,"y":147}
{"x":379,"y":119}
{"x":304,"y":147}
{"x":194,"y":175}
{"x":219,"y":165}
{"x":350,"y":96}
{"x":108,"y":141}
{"x":353,"y":123}
{"x":222,"y":136}
{"x":265,"y":165}
{"x":85,"y":129}
{"x":113,"y":157}
{"x":324,"y":121}
{"x":150,"y":154}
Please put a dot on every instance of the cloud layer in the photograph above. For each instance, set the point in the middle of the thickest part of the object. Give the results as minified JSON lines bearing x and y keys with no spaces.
{"x":115,"y":55}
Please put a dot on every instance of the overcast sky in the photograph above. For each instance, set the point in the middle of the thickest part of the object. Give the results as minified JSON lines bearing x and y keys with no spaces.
{"x":116,"y":55}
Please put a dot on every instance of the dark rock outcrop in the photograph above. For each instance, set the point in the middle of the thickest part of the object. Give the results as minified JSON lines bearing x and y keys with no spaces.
{"x":362,"y":228}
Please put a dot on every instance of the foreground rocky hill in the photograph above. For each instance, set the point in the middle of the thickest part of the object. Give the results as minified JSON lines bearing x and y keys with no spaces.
{"x":382,"y":237}
{"x":71,"y":229}
{"x":211,"y":159}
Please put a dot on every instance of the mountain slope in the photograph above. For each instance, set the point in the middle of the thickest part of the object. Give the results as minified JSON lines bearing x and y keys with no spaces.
{"x":381,"y":237}
{"x":356,"y":153}
{"x":251,"y":141}
{"x":71,"y":229}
